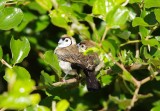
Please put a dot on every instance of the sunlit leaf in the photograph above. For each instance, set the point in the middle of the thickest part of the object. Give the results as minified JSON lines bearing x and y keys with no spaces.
{"x":151,"y":3}
{"x":37,"y":108}
{"x":156,"y":108}
{"x":62,"y":105}
{"x":46,"y":4}
{"x":2,"y":4}
{"x":20,"y":49}
{"x":20,"y":75}
{"x":151,"y":42}
{"x":51,"y":59}
{"x":13,"y":102}
{"x":117,"y":16}
{"x":99,"y":7}
{"x":135,"y":1}
{"x":59,"y":19}
{"x":106,"y":80}
{"x":10,"y":17}
{"x":139,"y":22}
{"x":144,"y":32}
{"x":157,"y":14}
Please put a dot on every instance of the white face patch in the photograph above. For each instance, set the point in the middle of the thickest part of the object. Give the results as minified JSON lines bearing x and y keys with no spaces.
{"x":64,"y":42}
{"x":81,"y":47}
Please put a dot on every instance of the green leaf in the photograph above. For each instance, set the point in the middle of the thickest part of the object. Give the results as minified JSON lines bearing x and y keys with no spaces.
{"x":62,"y":105}
{"x":2,"y":4}
{"x":1,"y":53}
{"x":35,"y":6}
{"x":41,"y":25}
{"x":37,"y":108}
{"x":28,"y":17}
{"x":124,"y":35}
{"x":45,"y":4}
{"x":46,"y":79}
{"x":156,"y":108}
{"x":144,"y":52}
{"x":99,"y":7}
{"x":109,"y":46}
{"x":151,"y":42}
{"x":106,"y":80}
{"x":59,"y":19}
{"x":15,"y":74}
{"x":151,"y":3}
{"x":10,"y":17}
{"x":157,"y":14}
{"x":138,"y":21}
{"x":122,"y":103}
{"x":134,"y":1}
{"x":13,"y":102}
{"x":144,"y":32}
{"x":127,"y":76}
{"x":51,"y":59}
{"x":117,"y":16}
{"x":19,"y":49}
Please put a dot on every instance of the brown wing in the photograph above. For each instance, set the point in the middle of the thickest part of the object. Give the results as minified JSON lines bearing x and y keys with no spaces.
{"x":72,"y":55}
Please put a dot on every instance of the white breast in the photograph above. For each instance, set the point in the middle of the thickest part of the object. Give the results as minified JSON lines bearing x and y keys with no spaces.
{"x":66,"y":67}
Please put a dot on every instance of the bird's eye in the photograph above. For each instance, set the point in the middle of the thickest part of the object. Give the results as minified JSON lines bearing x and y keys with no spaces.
{"x":66,"y":40}
{"x":83,"y":46}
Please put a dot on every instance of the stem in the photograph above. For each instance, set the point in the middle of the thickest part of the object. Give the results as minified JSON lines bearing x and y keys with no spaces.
{"x":130,"y":42}
{"x":5,"y":63}
{"x":104,"y":34}
{"x":150,"y":77}
{"x":134,"y":98}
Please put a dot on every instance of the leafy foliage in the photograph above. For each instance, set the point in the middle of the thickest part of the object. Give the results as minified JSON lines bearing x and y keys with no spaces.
{"x":127,"y":36}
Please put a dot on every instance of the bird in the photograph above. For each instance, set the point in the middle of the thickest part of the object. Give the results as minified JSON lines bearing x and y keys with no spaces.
{"x":91,"y":80}
{"x":74,"y":55}
{"x":64,"y":42}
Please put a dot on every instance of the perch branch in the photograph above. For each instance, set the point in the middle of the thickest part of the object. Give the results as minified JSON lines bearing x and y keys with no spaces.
{"x":58,"y":84}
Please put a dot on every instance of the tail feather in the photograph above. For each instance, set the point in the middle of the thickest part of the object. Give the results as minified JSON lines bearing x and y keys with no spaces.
{"x":91,"y":81}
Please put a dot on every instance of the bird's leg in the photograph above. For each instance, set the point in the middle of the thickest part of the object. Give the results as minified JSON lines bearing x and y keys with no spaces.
{"x":64,"y":78}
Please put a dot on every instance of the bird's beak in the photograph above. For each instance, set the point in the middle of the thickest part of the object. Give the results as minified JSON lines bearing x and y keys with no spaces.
{"x":60,"y":41}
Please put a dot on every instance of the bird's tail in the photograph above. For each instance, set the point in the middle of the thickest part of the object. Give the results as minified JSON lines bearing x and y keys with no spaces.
{"x":91,"y":81}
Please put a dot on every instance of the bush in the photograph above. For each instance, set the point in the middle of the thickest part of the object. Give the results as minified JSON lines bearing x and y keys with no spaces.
{"x":126,"y":31}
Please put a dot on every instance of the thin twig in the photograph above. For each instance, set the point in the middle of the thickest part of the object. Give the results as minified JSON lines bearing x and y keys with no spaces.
{"x":130,"y":42}
{"x":5,"y":63}
{"x":150,"y":77}
{"x":134,"y":98}
{"x":105,"y":33}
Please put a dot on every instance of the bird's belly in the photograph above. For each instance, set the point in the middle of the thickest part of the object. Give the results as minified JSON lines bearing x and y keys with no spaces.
{"x":66,"y":67}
